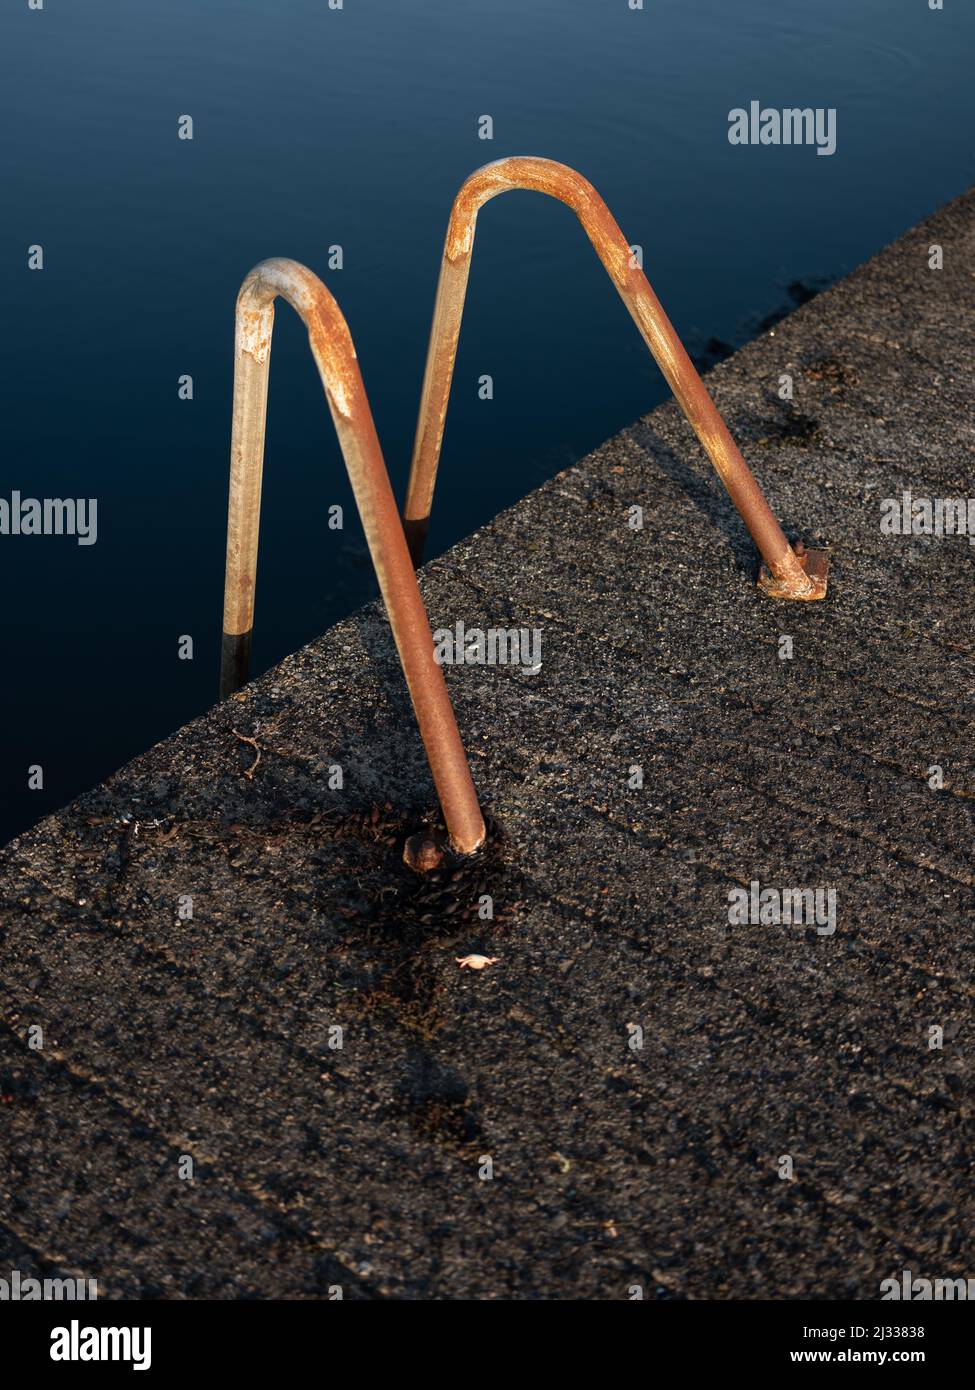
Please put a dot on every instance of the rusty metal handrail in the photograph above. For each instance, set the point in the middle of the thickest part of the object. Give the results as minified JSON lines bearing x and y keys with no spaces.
{"x":796,"y":574}
{"x":335,"y":357}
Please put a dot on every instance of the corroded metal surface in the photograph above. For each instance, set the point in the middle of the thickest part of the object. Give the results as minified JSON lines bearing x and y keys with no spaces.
{"x":559,"y":181}
{"x":815,"y":563}
{"x":335,"y":357}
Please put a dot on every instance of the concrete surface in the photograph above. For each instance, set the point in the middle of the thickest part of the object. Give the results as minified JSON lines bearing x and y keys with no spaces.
{"x":316,"y":1167}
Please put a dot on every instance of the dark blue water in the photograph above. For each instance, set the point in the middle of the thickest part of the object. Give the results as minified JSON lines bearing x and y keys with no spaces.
{"x":315,"y":127}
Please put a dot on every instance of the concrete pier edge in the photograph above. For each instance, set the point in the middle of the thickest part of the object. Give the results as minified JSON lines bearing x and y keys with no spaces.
{"x":639,"y":1093}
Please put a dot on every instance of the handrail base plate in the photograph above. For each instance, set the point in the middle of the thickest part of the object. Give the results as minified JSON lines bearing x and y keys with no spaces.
{"x":816,"y":565}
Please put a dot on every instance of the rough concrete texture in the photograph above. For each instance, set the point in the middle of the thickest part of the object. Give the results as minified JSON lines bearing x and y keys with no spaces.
{"x":359,"y":1167}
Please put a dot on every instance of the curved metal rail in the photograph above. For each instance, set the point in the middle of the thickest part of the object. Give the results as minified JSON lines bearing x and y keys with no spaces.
{"x":334,"y":353}
{"x":795,"y":574}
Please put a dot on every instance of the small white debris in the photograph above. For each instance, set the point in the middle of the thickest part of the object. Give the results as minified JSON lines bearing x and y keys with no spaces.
{"x":475,"y":962}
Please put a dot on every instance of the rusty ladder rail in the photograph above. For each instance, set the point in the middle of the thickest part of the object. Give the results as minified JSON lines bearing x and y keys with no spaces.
{"x":335,"y":356}
{"x":791,"y":574}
